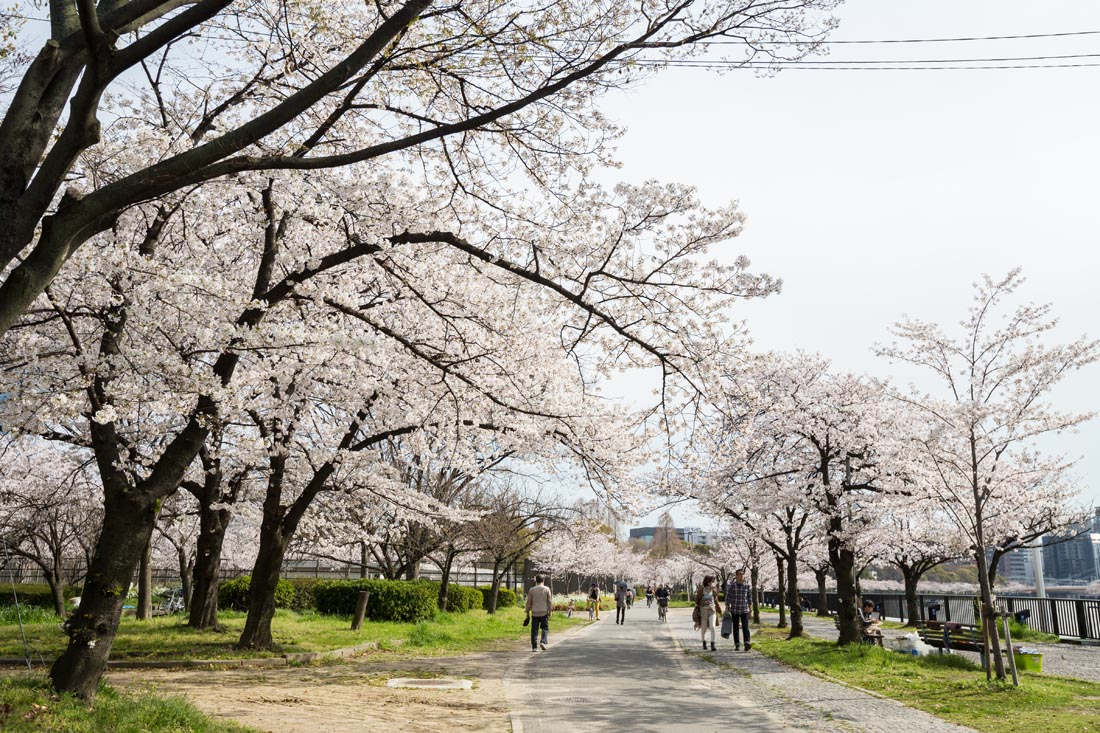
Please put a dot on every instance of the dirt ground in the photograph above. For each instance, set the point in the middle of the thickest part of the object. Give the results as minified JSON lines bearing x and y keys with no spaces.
{"x":346,"y":696}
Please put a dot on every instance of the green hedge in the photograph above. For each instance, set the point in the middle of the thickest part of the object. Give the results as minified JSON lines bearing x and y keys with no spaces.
{"x":463,"y":598}
{"x":234,"y":593}
{"x":390,"y":600}
{"x":34,"y":594}
{"x":505,"y":596}
{"x":305,"y":590}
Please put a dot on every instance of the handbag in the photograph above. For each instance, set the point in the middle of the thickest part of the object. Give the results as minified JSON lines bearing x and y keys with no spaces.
{"x":697,"y":617}
{"x":527,"y":619}
{"x":727,"y":624}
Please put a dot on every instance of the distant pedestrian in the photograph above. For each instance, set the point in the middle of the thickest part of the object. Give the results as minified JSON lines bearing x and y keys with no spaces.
{"x":538,"y":613}
{"x":738,"y":603}
{"x":569,"y":608}
{"x":706,"y":601}
{"x":630,"y":598}
{"x":620,"y":604}
{"x":649,"y":596}
{"x":594,"y":601}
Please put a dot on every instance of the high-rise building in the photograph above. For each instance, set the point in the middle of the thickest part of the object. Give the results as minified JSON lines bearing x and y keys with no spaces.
{"x":1017,"y":567}
{"x":1074,"y":555}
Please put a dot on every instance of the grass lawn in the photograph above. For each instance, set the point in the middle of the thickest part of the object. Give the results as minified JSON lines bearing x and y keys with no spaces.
{"x":27,"y":704}
{"x":167,"y":637}
{"x":951,"y":687}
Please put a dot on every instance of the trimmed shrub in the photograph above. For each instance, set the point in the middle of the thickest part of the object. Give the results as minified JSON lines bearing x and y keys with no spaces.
{"x":304,"y":593}
{"x":506,"y":597}
{"x":234,"y":593}
{"x":390,"y":600}
{"x":35,"y":594}
{"x":463,"y":598}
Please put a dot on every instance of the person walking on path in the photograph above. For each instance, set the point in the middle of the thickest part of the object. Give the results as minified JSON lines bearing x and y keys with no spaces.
{"x":738,"y":603}
{"x":706,"y":600}
{"x":538,"y":612}
{"x":594,"y":601}
{"x":620,"y":604}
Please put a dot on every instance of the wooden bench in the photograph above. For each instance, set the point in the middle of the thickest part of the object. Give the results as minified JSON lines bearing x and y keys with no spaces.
{"x":948,"y":636}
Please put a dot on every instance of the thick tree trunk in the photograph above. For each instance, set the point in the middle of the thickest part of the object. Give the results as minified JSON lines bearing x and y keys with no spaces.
{"x":754,"y":578}
{"x":912,"y":609}
{"x":843,"y":561}
{"x":203,"y":611}
{"x":782,"y":593}
{"x":793,"y":599}
{"x":261,"y":591}
{"x":362,"y":559}
{"x":127,"y":525}
{"x":144,"y":610}
{"x":822,"y":592}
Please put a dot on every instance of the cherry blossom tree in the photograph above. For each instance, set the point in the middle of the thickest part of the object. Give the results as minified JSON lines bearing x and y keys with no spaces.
{"x":49,"y":510}
{"x":919,"y":537}
{"x":982,"y":429}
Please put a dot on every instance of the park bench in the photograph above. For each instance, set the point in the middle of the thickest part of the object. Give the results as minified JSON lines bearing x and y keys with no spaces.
{"x":171,"y":603}
{"x":950,"y":636}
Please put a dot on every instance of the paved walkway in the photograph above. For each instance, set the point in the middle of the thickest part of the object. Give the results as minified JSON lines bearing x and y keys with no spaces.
{"x":638,"y":677}
{"x":1063,"y":660}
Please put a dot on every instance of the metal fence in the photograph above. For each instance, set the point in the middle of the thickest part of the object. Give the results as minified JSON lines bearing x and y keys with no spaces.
{"x":1077,"y":618}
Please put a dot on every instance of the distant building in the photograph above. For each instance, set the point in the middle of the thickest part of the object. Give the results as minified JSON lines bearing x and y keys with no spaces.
{"x":687,"y":535}
{"x":1017,"y":566}
{"x":1075,"y":560}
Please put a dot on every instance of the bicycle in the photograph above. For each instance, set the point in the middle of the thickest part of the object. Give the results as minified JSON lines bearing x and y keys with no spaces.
{"x":662,"y":610}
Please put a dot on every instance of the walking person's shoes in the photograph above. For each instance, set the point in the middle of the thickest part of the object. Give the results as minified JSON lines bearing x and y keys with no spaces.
{"x":712,"y":647}
{"x":748,"y":646}
{"x":534,"y":649}
{"x":704,"y":646}
{"x":542,"y":646}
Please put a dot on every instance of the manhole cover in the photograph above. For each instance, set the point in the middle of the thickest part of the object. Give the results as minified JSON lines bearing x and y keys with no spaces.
{"x":436,"y":683}
{"x":579,"y":700}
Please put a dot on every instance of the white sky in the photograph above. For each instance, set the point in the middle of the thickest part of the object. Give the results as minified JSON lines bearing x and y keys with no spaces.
{"x":879,"y":193}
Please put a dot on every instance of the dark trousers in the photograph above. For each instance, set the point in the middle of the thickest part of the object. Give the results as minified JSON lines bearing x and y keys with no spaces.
{"x":539,"y":622}
{"x":740,"y":624}
{"x":620,"y":614}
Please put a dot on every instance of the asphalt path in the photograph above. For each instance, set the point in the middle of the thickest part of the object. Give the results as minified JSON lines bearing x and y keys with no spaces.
{"x":651,"y":676}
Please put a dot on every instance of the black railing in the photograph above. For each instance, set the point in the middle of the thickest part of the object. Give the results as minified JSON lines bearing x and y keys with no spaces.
{"x":1076,"y":618}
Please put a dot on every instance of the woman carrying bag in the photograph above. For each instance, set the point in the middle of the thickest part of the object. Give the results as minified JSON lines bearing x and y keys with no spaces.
{"x":707,"y":610}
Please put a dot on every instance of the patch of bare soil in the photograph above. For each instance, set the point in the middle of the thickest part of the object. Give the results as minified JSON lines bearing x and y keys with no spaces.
{"x":349,"y":696}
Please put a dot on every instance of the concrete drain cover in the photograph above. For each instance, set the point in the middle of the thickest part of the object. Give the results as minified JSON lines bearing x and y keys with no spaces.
{"x":579,"y":700}
{"x":435,"y":683}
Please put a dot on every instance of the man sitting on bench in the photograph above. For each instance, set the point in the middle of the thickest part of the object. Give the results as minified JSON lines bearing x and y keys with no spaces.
{"x":872,"y":628}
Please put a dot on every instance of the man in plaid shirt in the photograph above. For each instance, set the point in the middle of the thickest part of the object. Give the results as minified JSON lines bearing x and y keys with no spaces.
{"x":738,"y":602}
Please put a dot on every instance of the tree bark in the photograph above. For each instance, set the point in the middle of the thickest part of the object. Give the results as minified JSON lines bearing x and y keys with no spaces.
{"x":127,"y":525}
{"x":793,"y":600}
{"x":912,"y":608}
{"x":822,"y":592}
{"x":362,"y":559}
{"x":494,"y":588}
{"x":445,"y":580}
{"x":782,"y":593}
{"x":203,"y":611}
{"x":144,"y":610}
{"x":56,"y":582}
{"x":843,"y":561}
{"x":989,"y":621}
{"x":187,"y":567}
{"x":261,"y":591}
{"x":754,"y":578}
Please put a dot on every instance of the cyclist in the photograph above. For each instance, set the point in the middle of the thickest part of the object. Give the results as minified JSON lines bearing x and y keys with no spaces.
{"x":649,"y":596}
{"x":662,"y":602}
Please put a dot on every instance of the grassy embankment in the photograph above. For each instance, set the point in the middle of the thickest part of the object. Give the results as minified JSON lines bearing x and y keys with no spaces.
{"x":950,"y":687}
{"x":27,"y":704}
{"x":167,"y":637}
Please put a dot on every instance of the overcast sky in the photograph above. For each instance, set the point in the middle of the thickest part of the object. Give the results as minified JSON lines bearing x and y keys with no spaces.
{"x":880,"y":193}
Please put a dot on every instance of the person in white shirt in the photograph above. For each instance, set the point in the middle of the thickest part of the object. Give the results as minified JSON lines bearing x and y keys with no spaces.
{"x":538,"y":612}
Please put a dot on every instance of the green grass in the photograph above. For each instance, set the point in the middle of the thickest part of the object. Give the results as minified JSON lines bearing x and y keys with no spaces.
{"x":950,"y":687}
{"x":167,"y":637}
{"x":27,"y":704}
